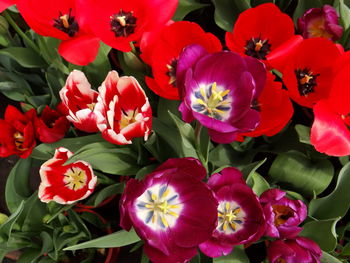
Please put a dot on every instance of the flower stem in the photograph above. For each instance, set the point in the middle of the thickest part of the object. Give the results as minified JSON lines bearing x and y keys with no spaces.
{"x":20,"y":32}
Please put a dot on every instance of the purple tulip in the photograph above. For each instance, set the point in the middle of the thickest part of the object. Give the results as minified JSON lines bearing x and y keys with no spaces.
{"x":283,"y":215}
{"x":320,"y":22}
{"x":240,"y":215}
{"x":172,"y":210}
{"x":300,"y":249}
{"x":219,"y":90}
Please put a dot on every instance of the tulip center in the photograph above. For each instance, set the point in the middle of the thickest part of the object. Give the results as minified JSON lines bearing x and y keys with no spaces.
{"x":159,"y":207}
{"x":230,"y":217}
{"x":123,"y":23}
{"x":281,"y":260}
{"x":317,"y":28}
{"x":282,"y":214}
{"x":258,"y":48}
{"x":75,"y":178}
{"x":128,"y":117}
{"x":172,"y":71}
{"x":306,"y":81}
{"x":19,"y":140}
{"x":66,"y":23}
{"x":212,"y":101}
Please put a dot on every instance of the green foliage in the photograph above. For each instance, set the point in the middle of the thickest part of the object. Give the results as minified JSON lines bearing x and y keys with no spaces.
{"x":337,"y":203}
{"x":24,"y":56}
{"x":323,"y":232}
{"x":296,"y":171}
{"x":185,"y":7}
{"x":117,"y":239}
{"x":17,"y":184}
{"x":227,"y":12}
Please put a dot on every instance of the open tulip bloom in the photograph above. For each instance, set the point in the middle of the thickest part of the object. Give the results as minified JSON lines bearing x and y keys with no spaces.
{"x":168,"y":131}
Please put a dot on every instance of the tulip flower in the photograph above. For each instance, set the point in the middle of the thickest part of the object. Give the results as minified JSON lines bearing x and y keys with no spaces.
{"x":165,"y":51}
{"x":240,"y":215}
{"x":265,"y":33}
{"x":66,"y":21}
{"x":123,"y":111}
{"x":283,"y":215}
{"x":51,"y":126}
{"x":17,"y":134}
{"x":300,"y":249}
{"x":65,"y":184}
{"x":79,"y":100}
{"x":118,"y":23}
{"x":172,"y":210}
{"x":320,"y":22}
{"x":219,"y":90}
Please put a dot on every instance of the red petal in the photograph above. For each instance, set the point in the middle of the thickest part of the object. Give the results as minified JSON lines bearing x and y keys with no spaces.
{"x":80,"y":50}
{"x":329,"y":134}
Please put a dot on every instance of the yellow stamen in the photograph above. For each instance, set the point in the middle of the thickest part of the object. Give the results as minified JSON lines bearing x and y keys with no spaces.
{"x":165,"y":223}
{"x":64,"y":20}
{"x":202,"y":91}
{"x":306,"y":79}
{"x":121,"y":20}
{"x":91,"y":106}
{"x":154,"y":197}
{"x":258,"y":46}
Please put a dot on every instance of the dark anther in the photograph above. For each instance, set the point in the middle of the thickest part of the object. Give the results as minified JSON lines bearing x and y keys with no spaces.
{"x":172,"y":71}
{"x":306,"y":81}
{"x":257,"y":48}
{"x":66,"y":23}
{"x":123,"y":23}
{"x":255,"y":105}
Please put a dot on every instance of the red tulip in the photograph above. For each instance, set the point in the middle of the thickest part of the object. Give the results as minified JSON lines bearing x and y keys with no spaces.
{"x":51,"y":126}
{"x":275,"y":109}
{"x":17,"y":133}
{"x":123,"y":111}
{"x":5,"y":4}
{"x":64,"y":20}
{"x":117,"y":23}
{"x":308,"y":72}
{"x":265,"y":33}
{"x":65,"y":184}
{"x":79,"y":99}
{"x":165,"y":51}
{"x":330,"y":132}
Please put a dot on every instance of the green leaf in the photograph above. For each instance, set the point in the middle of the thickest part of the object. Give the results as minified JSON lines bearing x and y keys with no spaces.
{"x":121,"y":161}
{"x":260,"y":185}
{"x":26,"y":57}
{"x":327,"y":258}
{"x":185,"y":7}
{"x":179,"y":136}
{"x":46,"y":151}
{"x":250,"y":169}
{"x":6,"y":228}
{"x":227,"y":12}
{"x":17,"y":185}
{"x":344,"y":12}
{"x":237,"y":256}
{"x":145,"y":170}
{"x":97,"y":71}
{"x":105,"y":193}
{"x":164,"y":107}
{"x":117,"y":239}
{"x":297,"y":172}
{"x":322,"y":232}
{"x":303,"y":133}
{"x":336,"y":203}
